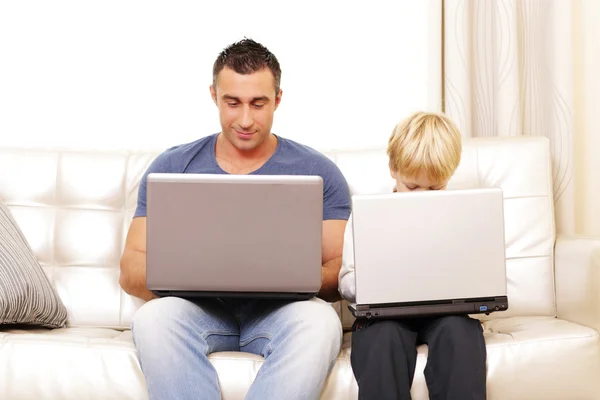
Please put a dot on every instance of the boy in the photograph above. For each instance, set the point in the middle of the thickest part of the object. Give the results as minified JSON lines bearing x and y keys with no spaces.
{"x":424,"y":151}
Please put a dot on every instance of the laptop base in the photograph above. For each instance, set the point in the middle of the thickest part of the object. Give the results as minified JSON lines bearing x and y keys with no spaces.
{"x":485,"y":305}
{"x":190,"y":294}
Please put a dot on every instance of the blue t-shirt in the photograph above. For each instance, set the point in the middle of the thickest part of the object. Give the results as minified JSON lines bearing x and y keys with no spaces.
{"x":290,"y":158}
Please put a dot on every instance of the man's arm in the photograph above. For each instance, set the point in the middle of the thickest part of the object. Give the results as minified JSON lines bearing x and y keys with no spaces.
{"x":133,"y":261}
{"x":333,"y":240}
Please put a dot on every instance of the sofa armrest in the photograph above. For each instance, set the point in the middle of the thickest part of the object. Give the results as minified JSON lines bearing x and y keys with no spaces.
{"x":577,"y":275}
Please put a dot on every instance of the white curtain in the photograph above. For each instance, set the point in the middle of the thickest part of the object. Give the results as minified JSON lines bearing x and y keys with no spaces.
{"x":515,"y":67}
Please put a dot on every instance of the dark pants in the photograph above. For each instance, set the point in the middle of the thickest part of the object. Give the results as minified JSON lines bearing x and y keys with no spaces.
{"x":384,"y":355}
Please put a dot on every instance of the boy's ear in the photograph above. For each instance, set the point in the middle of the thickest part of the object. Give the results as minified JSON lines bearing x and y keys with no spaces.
{"x":392,"y":173}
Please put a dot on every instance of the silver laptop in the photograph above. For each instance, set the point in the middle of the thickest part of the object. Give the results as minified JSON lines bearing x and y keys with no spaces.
{"x":429,"y":253}
{"x":234,"y":235}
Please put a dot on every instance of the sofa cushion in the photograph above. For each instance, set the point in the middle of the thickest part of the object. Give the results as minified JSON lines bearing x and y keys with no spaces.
{"x":69,"y":364}
{"x":101,"y":363}
{"x":26,"y":295}
{"x":528,"y":358}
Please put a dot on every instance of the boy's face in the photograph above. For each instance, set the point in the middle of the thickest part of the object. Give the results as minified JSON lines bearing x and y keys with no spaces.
{"x":409,"y":183}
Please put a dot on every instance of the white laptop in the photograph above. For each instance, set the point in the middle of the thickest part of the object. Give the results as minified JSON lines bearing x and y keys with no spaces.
{"x":234,"y":235}
{"x":429,"y":253}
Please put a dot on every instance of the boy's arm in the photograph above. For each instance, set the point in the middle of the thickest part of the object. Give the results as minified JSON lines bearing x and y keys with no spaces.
{"x":346,"y":279}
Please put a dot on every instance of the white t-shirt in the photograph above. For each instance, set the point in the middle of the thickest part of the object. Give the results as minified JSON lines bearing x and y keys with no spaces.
{"x":346,"y":279}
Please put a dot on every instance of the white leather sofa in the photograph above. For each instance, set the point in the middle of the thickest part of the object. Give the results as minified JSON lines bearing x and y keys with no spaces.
{"x":75,"y":208}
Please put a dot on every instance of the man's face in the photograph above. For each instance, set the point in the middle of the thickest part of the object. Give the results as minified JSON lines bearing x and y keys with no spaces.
{"x":246,"y":105}
{"x":408,"y":183}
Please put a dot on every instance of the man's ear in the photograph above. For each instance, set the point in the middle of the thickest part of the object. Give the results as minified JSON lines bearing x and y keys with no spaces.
{"x":213,"y":94}
{"x":278,"y":98}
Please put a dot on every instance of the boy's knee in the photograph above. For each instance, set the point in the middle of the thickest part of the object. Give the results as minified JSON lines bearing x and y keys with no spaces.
{"x":383,"y":334}
{"x":458,"y":323}
{"x":383,"y":329}
{"x":458,"y":329}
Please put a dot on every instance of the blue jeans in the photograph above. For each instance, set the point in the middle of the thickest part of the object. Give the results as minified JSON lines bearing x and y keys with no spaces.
{"x":299,"y":341}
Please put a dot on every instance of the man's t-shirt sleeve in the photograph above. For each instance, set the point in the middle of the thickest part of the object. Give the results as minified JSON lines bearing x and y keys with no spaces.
{"x":336,"y":194}
{"x":162,"y":163}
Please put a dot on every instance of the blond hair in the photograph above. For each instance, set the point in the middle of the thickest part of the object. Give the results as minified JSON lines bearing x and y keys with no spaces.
{"x":428,"y":142}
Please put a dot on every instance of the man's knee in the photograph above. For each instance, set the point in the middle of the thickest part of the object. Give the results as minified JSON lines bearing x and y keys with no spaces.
{"x":320,"y":322}
{"x":156,"y":316}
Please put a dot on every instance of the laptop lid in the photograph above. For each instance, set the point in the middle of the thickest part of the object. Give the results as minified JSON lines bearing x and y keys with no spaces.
{"x":430,"y":245}
{"x":228,"y":234}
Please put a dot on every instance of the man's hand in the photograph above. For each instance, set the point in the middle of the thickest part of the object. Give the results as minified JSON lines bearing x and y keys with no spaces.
{"x":133,"y":261}
{"x":333,"y":242}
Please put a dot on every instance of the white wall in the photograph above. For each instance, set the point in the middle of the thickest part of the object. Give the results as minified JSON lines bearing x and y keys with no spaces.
{"x":135,"y":74}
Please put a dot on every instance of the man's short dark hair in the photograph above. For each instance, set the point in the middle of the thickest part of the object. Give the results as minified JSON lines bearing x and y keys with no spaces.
{"x":247,"y":57}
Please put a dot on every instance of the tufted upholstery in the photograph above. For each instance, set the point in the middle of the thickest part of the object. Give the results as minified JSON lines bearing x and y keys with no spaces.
{"x":520,"y":166}
{"x":75,"y":208}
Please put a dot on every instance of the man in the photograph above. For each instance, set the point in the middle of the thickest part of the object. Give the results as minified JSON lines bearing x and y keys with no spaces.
{"x":299,"y":340}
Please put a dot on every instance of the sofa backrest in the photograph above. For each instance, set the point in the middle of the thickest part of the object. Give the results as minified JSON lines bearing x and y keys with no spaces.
{"x":521,"y":167}
{"x":75,"y":207}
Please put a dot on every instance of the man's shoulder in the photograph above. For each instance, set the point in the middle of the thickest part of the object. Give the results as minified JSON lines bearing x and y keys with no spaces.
{"x":175,"y":158}
{"x":304,"y":160}
{"x":299,"y":148}
{"x":296,"y":150}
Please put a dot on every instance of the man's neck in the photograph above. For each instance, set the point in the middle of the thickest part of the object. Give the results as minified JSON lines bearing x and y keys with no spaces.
{"x":233,"y":160}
